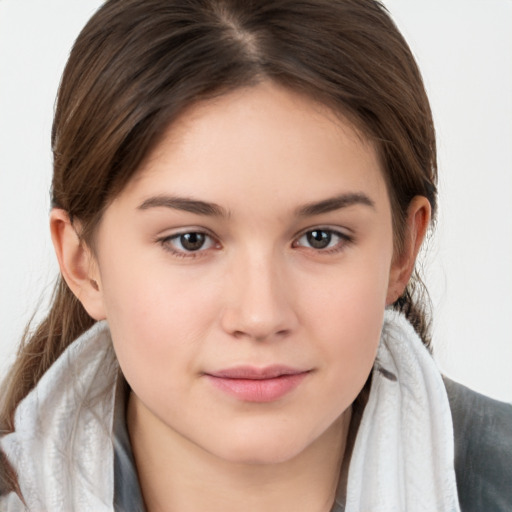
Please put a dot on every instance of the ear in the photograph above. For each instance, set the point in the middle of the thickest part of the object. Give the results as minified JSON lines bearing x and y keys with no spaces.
{"x":418,"y":219}
{"x":77,"y":264}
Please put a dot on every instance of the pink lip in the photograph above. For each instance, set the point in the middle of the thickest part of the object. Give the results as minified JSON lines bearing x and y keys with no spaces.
{"x":257,"y":384}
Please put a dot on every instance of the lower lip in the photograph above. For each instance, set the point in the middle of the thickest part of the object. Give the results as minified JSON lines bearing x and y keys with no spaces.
{"x":258,"y":390}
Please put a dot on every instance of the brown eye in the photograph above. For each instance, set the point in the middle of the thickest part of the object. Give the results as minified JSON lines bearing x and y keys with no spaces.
{"x":323,"y":240}
{"x":192,"y":241}
{"x":319,"y":239}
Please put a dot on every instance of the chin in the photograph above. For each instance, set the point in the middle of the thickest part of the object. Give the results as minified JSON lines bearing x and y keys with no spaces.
{"x":260,"y":449}
{"x":260,"y":457}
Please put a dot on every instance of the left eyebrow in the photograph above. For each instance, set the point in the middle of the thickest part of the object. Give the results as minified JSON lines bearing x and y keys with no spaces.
{"x":334,"y":203}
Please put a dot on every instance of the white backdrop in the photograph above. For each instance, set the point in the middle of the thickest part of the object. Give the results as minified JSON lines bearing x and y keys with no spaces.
{"x":464,"y":48}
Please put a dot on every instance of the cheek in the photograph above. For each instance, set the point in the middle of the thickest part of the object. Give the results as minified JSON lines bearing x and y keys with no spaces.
{"x":346,"y":311}
{"x":353,"y":324}
{"x":158,"y":319}
{"x":351,"y":295}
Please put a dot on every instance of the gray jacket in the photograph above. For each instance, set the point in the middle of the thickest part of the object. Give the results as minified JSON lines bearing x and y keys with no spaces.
{"x":483,"y":450}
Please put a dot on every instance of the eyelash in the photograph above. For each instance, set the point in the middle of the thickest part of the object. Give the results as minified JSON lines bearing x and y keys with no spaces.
{"x":343,"y":240}
{"x":341,"y":244}
{"x":166,"y":243}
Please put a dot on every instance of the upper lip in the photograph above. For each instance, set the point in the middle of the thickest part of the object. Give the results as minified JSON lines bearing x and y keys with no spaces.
{"x":255,"y":373}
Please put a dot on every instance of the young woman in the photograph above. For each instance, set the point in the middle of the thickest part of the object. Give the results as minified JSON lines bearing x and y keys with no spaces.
{"x":240,"y":191}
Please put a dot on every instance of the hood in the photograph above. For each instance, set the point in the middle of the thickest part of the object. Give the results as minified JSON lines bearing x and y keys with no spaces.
{"x":64,"y":424}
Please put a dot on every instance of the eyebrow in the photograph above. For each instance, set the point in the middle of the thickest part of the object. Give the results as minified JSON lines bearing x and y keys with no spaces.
{"x":334,"y":203}
{"x":184,"y":204}
{"x":214,"y":210}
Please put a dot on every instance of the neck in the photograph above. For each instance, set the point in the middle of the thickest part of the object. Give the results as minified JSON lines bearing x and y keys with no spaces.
{"x":177,"y":475}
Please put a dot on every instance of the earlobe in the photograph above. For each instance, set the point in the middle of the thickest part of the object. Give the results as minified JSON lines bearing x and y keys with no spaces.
{"x":418,"y":219}
{"x":77,"y":264}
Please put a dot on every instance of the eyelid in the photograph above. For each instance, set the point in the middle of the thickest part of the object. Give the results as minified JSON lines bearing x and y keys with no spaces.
{"x":341,"y":231}
{"x":165,"y":241}
{"x":345,"y":239}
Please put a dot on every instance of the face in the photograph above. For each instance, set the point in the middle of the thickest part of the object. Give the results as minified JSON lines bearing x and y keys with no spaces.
{"x":244,"y":273}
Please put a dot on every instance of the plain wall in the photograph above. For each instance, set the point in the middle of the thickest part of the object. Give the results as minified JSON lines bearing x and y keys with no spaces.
{"x":464,"y":48}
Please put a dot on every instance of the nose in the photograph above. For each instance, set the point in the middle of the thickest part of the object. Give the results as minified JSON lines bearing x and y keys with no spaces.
{"x":258,"y":300}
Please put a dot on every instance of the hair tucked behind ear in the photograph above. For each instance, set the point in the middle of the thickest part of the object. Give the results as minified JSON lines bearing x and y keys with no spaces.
{"x":415,"y":304}
{"x":138,"y":64}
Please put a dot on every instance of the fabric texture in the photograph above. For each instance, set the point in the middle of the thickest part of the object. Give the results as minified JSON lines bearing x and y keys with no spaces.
{"x":403,"y":455}
{"x":127,"y":493}
{"x":483,"y":450}
{"x":62,"y":446}
{"x":72,"y":452}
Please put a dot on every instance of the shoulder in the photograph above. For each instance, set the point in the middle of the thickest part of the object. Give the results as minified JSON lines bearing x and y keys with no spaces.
{"x":483,"y":449}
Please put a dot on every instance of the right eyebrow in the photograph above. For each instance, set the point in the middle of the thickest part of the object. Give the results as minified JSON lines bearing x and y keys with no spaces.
{"x":184,"y":204}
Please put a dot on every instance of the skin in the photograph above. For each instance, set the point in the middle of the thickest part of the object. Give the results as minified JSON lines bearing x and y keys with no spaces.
{"x":256,"y":293}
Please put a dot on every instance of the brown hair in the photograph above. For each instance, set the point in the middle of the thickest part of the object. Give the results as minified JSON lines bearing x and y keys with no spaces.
{"x":138,"y":64}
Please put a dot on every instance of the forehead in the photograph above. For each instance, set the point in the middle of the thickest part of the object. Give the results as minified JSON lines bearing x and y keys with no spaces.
{"x":266,"y":142}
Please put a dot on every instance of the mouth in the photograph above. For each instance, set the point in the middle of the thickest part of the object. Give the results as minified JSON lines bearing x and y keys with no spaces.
{"x":261,"y":385}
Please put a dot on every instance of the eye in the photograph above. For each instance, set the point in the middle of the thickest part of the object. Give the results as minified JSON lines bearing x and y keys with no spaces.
{"x":186,"y":244}
{"x":322,"y":239}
